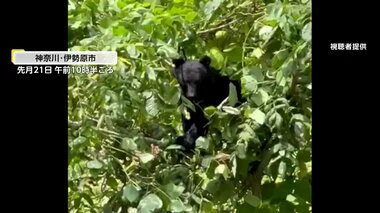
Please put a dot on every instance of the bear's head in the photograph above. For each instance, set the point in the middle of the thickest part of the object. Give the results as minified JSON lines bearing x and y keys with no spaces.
{"x":192,"y":75}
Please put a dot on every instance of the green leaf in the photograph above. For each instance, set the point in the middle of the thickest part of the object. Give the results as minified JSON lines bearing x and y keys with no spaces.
{"x":234,"y":166}
{"x":232,"y":98}
{"x":130,"y":210}
{"x":206,"y":161}
{"x":128,"y":144}
{"x":79,"y":140}
{"x":88,"y":41}
{"x":106,"y":22}
{"x":190,"y":16}
{"x":303,"y":208}
{"x":303,"y":189}
{"x":274,"y":169}
{"x":286,"y":27}
{"x":231,"y":110}
{"x":173,"y":190}
{"x":207,"y":207}
{"x":298,"y":117}
{"x":217,"y":59}
{"x":306,"y":32}
{"x":151,"y":73}
{"x":264,"y":96}
{"x":121,"y":4}
{"x":175,"y":98}
{"x":112,"y":182}
{"x":76,"y":24}
{"x":309,"y":86}
{"x":279,"y":58}
{"x":223,"y":170}
{"x":258,"y":52}
{"x":275,"y":120}
{"x":226,"y":190}
{"x":134,"y":15}
{"x":213,"y":186}
{"x":133,"y":95}
{"x":177,"y":206}
{"x":265,"y":32}
{"x":304,"y":156}
{"x":275,"y":10}
{"x":151,"y":106}
{"x":241,"y":149}
{"x":252,"y":200}
{"x":291,"y":199}
{"x":130,"y":193}
{"x":221,"y":35}
{"x":94,"y":164}
{"x":77,"y":202}
{"x":202,"y":143}
{"x":188,"y":103}
{"x":210,"y":7}
{"x":286,"y":207}
{"x":257,"y":73}
{"x":87,"y":198}
{"x":233,"y":52}
{"x":146,"y":157}
{"x":258,"y":116}
{"x":147,"y":22}
{"x":260,"y":98}
{"x":131,"y":49}
{"x":282,"y":168}
{"x":288,"y":67}
{"x":209,"y":111}
{"x":247,"y":134}
{"x":299,"y":129}
{"x":268,"y":190}
{"x":168,"y":51}
{"x":249,"y":83}
{"x":149,"y":204}
{"x":280,"y":78}
{"x":101,"y":5}
{"x":119,"y":31}
{"x":277,"y":147}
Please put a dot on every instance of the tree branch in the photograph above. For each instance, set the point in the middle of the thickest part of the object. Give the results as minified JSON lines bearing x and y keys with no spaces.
{"x":77,"y":124}
{"x":217,"y":28}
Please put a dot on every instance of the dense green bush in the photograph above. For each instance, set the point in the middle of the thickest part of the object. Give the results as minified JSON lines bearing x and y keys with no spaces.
{"x":122,"y":124}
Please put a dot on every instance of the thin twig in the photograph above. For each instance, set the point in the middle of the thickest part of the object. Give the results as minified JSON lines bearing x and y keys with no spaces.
{"x":244,"y":43}
{"x":217,"y":28}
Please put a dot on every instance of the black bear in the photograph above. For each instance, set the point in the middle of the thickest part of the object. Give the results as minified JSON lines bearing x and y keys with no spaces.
{"x":203,"y":86}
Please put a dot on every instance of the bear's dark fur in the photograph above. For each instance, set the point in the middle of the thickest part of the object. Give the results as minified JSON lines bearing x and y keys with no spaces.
{"x":203,"y":86}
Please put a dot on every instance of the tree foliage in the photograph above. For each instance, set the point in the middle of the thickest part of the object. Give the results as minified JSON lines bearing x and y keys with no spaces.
{"x":122,"y":124}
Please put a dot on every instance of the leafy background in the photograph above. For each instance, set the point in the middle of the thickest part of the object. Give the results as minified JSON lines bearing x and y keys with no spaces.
{"x":122,"y":125}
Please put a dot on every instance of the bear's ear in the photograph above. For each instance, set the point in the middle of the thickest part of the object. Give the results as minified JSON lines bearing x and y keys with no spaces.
{"x":205,"y":60}
{"x":178,"y":62}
